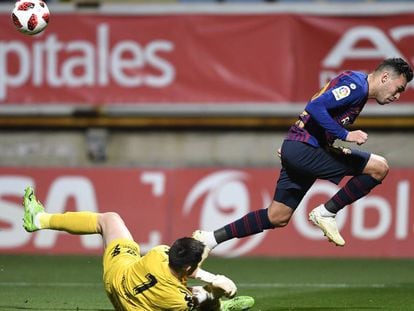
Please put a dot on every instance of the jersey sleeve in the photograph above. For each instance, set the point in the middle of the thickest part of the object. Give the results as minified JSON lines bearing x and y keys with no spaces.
{"x":340,"y":95}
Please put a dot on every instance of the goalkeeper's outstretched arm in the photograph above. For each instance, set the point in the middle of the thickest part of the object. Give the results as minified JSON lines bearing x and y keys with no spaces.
{"x":217,"y":281}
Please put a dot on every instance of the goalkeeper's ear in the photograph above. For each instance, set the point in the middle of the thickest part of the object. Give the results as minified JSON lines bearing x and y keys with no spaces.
{"x":190,"y":270}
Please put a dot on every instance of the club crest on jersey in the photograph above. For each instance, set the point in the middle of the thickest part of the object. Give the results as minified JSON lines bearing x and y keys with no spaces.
{"x":341,"y":92}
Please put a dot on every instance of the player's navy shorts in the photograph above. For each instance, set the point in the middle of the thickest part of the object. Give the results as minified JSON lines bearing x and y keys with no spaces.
{"x":302,"y":164}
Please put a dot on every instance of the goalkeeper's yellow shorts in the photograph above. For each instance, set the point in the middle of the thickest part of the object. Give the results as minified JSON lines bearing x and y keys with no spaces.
{"x":118,"y":255}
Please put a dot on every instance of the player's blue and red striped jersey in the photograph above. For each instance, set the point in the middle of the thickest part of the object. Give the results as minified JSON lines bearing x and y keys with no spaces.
{"x":330,"y":110}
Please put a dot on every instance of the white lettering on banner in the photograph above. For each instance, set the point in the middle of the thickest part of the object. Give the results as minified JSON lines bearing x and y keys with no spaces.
{"x":82,"y":191}
{"x":156,"y":180}
{"x":21,"y":74}
{"x":400,"y":32}
{"x":85,"y":63}
{"x":402,"y":219}
{"x":347,"y":47}
{"x":52,"y":48}
{"x":358,"y":227}
{"x":11,"y":213}
{"x":226,"y":198}
{"x":103,"y":51}
{"x":69,"y":67}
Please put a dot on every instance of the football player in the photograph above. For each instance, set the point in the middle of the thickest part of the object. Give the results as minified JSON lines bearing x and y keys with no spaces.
{"x":155,"y":281}
{"x":308,"y":153}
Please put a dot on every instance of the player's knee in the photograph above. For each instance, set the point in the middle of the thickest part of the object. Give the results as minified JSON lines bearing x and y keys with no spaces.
{"x":110,"y":218}
{"x":279,"y":223}
{"x":113,"y":216}
{"x":279,"y":214}
{"x":113,"y":227}
{"x":278,"y":220}
{"x":381,"y":168}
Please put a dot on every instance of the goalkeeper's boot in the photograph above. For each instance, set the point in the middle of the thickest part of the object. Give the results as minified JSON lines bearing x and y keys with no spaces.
{"x":207,"y":238}
{"x":32,"y":207}
{"x":328,"y":226}
{"x":239,"y":303}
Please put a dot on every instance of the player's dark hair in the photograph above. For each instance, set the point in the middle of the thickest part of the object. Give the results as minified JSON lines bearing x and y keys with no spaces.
{"x":185,"y":252}
{"x":399,"y":66}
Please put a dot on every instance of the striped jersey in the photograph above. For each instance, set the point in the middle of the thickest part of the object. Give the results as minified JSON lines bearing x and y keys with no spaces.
{"x":328,"y":113}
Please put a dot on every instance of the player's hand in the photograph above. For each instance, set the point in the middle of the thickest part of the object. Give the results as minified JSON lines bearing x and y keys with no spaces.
{"x":225,"y":284}
{"x":358,"y":136}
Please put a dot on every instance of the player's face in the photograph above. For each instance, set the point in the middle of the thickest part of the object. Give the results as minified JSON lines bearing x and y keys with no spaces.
{"x":391,"y":88}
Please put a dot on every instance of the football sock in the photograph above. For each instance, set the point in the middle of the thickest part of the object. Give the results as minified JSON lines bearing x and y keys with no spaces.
{"x":72,"y":222}
{"x":252,"y":223}
{"x":324,"y":212}
{"x":42,"y":220}
{"x":357,"y":187}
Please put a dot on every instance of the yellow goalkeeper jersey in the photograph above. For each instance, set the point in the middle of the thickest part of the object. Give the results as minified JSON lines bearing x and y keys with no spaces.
{"x":143,"y":283}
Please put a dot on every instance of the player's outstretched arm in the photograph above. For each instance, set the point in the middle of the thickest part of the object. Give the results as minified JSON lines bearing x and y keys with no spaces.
{"x":217,"y":281}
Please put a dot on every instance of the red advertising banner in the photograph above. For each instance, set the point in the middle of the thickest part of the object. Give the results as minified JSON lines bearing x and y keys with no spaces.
{"x":193,"y":58}
{"x":160,"y":205}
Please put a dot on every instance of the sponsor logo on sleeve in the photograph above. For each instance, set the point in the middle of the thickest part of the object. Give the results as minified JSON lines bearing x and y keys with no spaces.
{"x":341,"y":92}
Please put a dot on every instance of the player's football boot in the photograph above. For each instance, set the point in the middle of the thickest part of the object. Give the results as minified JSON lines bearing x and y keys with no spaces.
{"x":203,"y":237}
{"x":32,"y":207}
{"x":328,"y":226}
{"x":239,"y":303}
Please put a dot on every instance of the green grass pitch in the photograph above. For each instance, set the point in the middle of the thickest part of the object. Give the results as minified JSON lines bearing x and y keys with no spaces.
{"x":75,"y":283}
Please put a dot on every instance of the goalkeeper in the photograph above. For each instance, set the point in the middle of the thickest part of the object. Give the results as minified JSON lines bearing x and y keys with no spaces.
{"x":155,"y":281}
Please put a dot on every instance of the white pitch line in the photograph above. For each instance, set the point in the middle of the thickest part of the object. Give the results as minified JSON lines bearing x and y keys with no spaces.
{"x":315,"y":285}
{"x":245,"y":285}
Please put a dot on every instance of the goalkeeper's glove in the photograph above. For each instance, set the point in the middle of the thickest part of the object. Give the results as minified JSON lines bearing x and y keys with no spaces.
{"x":225,"y":284}
{"x":217,"y":281}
